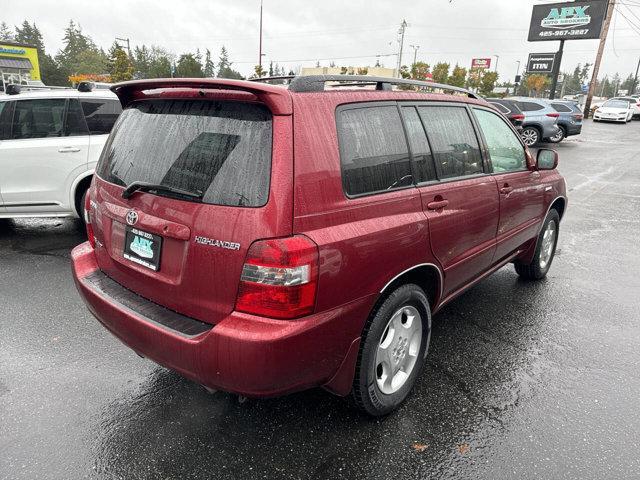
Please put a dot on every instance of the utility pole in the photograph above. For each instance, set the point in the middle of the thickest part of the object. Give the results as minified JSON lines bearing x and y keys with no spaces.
{"x":128,"y":46}
{"x":415,"y":52}
{"x":260,"y":48}
{"x":403,"y":27}
{"x":635,"y":79}
{"x":556,"y":71}
{"x":596,"y":65}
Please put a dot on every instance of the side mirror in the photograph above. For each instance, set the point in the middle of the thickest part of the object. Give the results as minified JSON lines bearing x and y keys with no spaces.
{"x":547,"y":159}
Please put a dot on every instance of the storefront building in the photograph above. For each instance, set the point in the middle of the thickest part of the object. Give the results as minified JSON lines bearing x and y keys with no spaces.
{"x":18,"y":64}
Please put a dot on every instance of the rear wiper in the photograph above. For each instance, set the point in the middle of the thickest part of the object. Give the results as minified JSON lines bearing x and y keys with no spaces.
{"x":153,"y":187}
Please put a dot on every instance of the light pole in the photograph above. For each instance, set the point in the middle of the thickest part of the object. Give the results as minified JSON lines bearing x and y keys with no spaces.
{"x":496,"y":67}
{"x":128,"y":46}
{"x":515,"y":86}
{"x":403,"y":27}
{"x":415,"y":52}
{"x":260,"y":47}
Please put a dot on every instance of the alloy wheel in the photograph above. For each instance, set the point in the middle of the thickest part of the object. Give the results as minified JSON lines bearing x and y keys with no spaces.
{"x":530,"y":136}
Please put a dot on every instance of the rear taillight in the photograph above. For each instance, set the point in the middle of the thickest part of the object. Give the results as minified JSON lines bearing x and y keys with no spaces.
{"x":279,"y":278}
{"x":553,"y":115}
{"x":518,"y":116}
{"x":578,"y":116}
{"x":87,"y":220}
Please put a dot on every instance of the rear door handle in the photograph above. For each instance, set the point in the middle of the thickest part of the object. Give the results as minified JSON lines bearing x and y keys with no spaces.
{"x":68,"y":149}
{"x":437,"y":204}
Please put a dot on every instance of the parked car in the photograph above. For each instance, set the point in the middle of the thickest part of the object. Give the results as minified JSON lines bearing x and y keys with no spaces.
{"x":50,"y":142}
{"x":540,"y":120}
{"x":262,"y":239}
{"x":634,"y":101}
{"x":620,"y":111}
{"x":510,"y":109}
{"x":569,"y":121}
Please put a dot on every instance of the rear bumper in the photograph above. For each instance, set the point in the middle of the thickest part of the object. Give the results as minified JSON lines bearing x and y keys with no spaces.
{"x":244,"y":354}
{"x":573,"y":129}
{"x":549,"y":131}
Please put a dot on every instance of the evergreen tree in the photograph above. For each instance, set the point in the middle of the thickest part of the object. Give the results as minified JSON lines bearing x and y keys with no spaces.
{"x":6,"y":34}
{"x":189,"y":67}
{"x":209,"y":69}
{"x":79,"y":54}
{"x":224,"y":66}
{"x":121,"y":67}
{"x":50,"y":71}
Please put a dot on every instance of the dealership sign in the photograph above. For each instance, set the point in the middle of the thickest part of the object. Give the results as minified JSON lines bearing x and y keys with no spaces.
{"x":541,"y":62}
{"x":567,"y":21}
{"x":484,"y":63}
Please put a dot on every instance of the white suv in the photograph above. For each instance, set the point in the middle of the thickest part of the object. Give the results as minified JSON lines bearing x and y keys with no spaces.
{"x":50,"y":141}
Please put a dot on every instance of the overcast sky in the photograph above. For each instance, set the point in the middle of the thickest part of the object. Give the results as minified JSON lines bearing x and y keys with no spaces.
{"x":351,"y":32}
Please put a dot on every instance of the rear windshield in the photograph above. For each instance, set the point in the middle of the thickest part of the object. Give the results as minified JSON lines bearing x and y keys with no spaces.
{"x":219,"y":150}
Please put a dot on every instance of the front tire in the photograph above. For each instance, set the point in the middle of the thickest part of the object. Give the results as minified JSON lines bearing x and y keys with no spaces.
{"x":545,"y":249}
{"x":394,"y":345}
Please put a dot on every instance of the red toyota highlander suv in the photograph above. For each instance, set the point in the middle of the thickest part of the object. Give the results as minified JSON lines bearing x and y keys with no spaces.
{"x":263,"y":239}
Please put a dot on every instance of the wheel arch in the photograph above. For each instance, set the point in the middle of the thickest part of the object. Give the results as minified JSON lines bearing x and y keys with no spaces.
{"x":427,"y":276}
{"x":559,"y":204}
{"x":80,"y":185}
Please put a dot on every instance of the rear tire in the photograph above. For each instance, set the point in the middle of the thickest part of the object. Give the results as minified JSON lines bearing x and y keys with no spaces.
{"x":392,"y":353}
{"x":559,"y":137}
{"x":531,"y":136}
{"x":82,"y":204}
{"x":545,"y":249}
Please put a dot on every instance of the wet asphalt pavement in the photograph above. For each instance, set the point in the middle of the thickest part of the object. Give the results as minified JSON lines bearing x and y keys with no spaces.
{"x":524,"y":380}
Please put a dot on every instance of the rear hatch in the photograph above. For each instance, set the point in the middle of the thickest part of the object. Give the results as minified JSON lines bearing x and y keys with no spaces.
{"x":191,"y":176}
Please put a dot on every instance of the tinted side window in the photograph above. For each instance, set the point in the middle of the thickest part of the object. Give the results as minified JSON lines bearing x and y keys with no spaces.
{"x":455,"y":146}
{"x":101,"y":114}
{"x":75,"y":124}
{"x":505,"y":149}
{"x":559,"y":107}
{"x":501,"y":108}
{"x":373,"y":150}
{"x":530,"y":106}
{"x":38,"y":118}
{"x":6,"y":114}
{"x":419,"y":144}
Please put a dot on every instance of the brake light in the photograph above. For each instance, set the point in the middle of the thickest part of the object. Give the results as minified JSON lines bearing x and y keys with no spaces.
{"x":553,"y":115}
{"x":578,"y":116}
{"x":279,"y":278}
{"x":87,"y":220}
{"x":518,"y":116}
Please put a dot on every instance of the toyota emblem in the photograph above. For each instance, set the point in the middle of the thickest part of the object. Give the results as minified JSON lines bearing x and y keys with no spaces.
{"x":132,"y":217}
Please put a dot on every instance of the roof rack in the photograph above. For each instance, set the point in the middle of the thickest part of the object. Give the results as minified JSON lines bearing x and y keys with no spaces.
{"x":16,"y":88}
{"x":85,"y":86}
{"x":316,"y":83}
{"x":285,"y":79}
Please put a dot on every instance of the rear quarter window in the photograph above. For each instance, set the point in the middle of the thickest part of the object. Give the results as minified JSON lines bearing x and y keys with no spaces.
{"x":373,"y":150}
{"x":501,"y":108}
{"x":560,"y":107}
{"x":530,"y":106}
{"x":100,"y":114}
{"x":219,"y":150}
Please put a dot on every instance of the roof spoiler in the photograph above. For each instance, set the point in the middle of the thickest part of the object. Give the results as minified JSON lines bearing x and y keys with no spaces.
{"x":276,"y":98}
